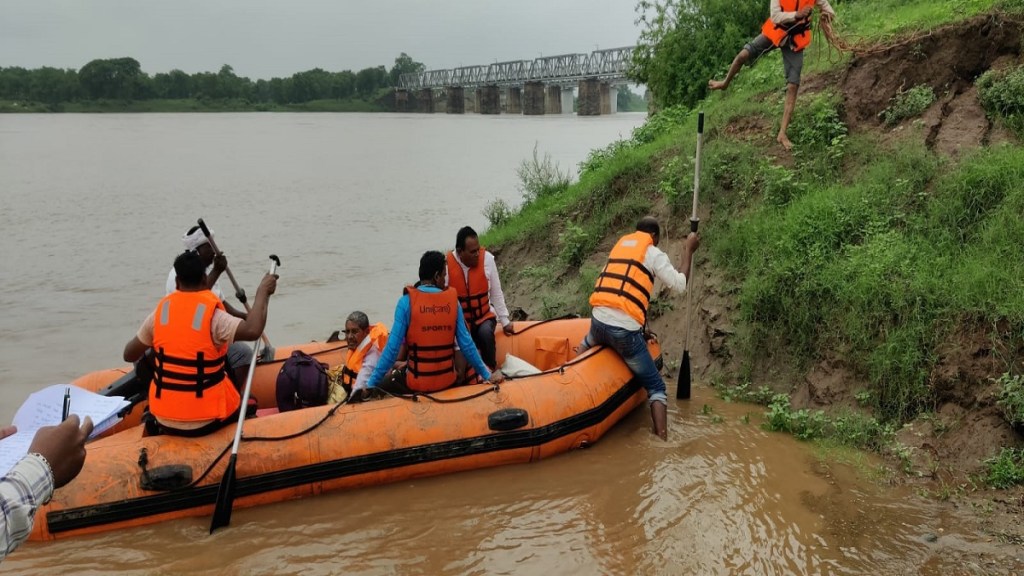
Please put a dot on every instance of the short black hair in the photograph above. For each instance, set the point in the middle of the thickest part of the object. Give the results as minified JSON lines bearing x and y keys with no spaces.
{"x":460,"y":238}
{"x":189,"y":268}
{"x":431,"y":263}
{"x":649,"y":224}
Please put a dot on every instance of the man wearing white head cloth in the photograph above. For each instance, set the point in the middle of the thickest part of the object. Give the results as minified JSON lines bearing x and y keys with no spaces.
{"x":239,"y":354}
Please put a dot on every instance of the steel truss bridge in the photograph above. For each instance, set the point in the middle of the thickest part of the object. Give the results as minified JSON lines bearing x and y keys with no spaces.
{"x":609,"y":65}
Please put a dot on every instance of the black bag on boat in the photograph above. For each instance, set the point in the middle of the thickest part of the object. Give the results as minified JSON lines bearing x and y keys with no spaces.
{"x":301,"y":383}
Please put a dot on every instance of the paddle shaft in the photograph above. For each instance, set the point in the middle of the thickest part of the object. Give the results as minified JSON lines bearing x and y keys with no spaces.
{"x":684,"y":380}
{"x":226,"y":492}
{"x":239,"y":292}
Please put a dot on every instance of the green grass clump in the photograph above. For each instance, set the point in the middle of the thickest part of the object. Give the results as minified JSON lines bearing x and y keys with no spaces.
{"x":1011,"y":398}
{"x":1006,"y":469}
{"x":1002,"y":95}
{"x":907,"y":104}
{"x":846,"y":429}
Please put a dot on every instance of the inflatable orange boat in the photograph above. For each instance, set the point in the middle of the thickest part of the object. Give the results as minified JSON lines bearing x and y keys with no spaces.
{"x":131,"y":480}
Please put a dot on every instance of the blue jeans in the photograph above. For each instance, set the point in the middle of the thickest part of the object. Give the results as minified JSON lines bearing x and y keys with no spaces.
{"x":632,"y":346}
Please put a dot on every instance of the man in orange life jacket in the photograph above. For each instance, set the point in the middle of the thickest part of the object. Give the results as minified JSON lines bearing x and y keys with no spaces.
{"x":428,"y":320}
{"x":789,"y":28}
{"x":364,"y":344}
{"x":190,"y":332}
{"x":620,"y":301}
{"x":474,"y":276}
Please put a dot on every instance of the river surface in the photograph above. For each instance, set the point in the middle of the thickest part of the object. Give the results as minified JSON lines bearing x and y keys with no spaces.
{"x":92,"y":208}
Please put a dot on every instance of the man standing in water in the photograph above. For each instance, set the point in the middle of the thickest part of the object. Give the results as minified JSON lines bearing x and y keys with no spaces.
{"x":788,"y":28}
{"x":620,"y":301}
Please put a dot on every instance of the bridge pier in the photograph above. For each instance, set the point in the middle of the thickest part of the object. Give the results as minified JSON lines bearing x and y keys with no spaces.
{"x":553,"y":100}
{"x":568,"y":97}
{"x":402,"y":101}
{"x":456,"y":100}
{"x":514,"y":100}
{"x":533,"y":98}
{"x":590,"y":97}
{"x":613,"y":99}
{"x":489,"y":98}
{"x":425,"y":101}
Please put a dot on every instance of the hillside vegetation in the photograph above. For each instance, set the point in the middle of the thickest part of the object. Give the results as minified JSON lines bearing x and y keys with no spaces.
{"x":867,"y":287}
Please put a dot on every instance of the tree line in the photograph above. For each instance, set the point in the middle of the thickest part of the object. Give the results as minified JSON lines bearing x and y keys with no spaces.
{"x":124,"y":79}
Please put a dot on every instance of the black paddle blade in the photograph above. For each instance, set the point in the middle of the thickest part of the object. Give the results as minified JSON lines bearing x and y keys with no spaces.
{"x":225,"y":497}
{"x":683,"y":382}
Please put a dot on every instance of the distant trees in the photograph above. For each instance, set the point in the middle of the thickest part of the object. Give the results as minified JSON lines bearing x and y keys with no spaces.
{"x":123,"y":79}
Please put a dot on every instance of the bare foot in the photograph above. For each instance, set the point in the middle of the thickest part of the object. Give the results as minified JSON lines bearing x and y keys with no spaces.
{"x":785,"y":142}
{"x":717,"y":84}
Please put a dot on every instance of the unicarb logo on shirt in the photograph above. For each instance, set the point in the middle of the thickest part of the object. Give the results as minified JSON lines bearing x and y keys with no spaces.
{"x":436,"y":309}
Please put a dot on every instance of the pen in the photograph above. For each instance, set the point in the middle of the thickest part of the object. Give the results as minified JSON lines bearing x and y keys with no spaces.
{"x":67,"y":404}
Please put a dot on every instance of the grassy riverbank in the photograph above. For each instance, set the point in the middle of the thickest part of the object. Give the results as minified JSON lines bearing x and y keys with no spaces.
{"x":189,"y":105}
{"x":873,"y":276}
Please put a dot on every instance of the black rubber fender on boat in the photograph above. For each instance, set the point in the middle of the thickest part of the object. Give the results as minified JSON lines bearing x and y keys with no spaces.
{"x":508,"y":419}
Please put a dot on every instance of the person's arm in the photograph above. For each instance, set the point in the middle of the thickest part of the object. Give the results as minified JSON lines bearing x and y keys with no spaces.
{"x":234,"y":311}
{"x":395,"y":340}
{"x":252,"y":326}
{"x":54,"y":458}
{"x":141,"y":342}
{"x":783,"y":18}
{"x":468,"y":347}
{"x":369,"y":365}
{"x":826,"y":8}
{"x":28,"y":484}
{"x":220,"y":263}
{"x":495,"y":294}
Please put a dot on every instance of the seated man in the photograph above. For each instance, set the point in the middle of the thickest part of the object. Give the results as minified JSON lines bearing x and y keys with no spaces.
{"x":364,"y":344}
{"x":428,"y":319}
{"x":474,"y":276}
{"x":190,"y":332}
{"x":239,"y":354}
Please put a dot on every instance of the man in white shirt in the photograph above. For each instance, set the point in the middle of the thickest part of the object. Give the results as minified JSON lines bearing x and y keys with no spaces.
{"x":239,"y":353}
{"x":621,"y":298}
{"x":474,"y":276}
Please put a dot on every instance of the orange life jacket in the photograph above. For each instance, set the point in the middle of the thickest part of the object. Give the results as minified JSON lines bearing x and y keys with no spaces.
{"x":378,"y":336}
{"x":190,"y":382}
{"x":474,"y":294}
{"x":799,"y":32}
{"x":625,"y":284}
{"x":431,"y":339}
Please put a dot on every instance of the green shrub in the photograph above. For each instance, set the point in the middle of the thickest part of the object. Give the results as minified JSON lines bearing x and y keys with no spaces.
{"x":908,"y":104}
{"x":576,"y":245}
{"x":540,"y":177}
{"x":1002,"y":95}
{"x":1011,"y":398}
{"x":1006,"y":469}
{"x":498,"y":212}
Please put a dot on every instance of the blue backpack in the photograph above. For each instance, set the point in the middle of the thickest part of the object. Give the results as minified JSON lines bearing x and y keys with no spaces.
{"x":302,"y":382}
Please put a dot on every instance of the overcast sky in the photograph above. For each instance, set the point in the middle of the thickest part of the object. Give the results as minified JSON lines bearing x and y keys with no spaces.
{"x":267,"y":38}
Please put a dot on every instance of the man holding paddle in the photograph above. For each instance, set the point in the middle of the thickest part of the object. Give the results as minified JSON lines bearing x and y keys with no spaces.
{"x":190,"y":332}
{"x":620,"y":301}
{"x":199,"y":241}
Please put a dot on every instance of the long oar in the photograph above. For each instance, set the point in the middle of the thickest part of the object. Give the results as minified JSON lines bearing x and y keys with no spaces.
{"x":683,"y":383}
{"x":239,"y":292}
{"x":226,"y":492}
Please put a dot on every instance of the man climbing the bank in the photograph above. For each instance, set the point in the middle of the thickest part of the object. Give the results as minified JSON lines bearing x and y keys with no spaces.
{"x":428,"y":320}
{"x":190,"y":332}
{"x":788,"y":28}
{"x":474,"y":276}
{"x":621,"y":298}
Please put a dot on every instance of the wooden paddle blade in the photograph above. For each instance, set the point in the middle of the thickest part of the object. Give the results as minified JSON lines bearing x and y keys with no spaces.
{"x":225,"y":497}
{"x":683,"y":382}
